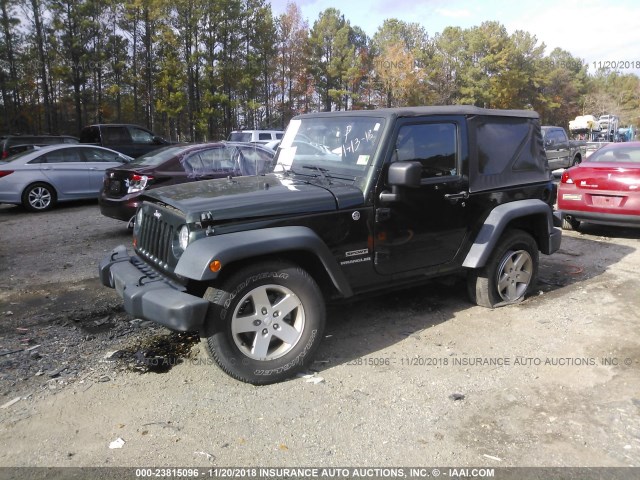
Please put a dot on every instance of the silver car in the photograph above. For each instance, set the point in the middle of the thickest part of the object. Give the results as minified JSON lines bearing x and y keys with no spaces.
{"x":38,"y":179}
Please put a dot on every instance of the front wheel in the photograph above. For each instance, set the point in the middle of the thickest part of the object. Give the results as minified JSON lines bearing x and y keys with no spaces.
{"x":265,"y":322}
{"x":509,"y":274}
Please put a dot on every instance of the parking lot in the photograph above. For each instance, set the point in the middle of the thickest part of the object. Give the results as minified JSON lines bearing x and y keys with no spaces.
{"x":406,"y":378}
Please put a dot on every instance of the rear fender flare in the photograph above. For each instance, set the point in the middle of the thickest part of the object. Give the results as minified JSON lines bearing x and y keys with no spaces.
{"x":497,"y":222}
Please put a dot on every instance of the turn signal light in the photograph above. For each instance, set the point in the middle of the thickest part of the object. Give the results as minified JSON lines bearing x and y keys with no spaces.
{"x":215,"y":266}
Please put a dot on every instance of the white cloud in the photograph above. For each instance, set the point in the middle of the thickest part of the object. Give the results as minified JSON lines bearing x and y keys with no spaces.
{"x":594,"y":32}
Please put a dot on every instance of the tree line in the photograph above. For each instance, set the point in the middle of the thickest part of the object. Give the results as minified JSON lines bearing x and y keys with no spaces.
{"x":196,"y":69}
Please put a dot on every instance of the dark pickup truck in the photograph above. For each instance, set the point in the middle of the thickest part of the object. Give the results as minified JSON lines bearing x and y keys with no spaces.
{"x":384,"y":199}
{"x":131,"y":140}
{"x":562,"y":152}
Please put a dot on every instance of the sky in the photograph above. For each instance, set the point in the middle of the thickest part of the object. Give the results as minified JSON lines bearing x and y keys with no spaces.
{"x":594,"y":31}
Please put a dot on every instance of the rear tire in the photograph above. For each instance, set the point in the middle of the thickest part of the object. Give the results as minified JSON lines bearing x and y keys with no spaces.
{"x":265,"y":322}
{"x":39,"y":197}
{"x":509,"y":274}
{"x":576,"y":161}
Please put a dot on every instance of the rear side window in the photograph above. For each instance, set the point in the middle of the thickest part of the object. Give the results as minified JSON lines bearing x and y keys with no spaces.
{"x":65,"y":155}
{"x":240,"y":137}
{"x":498,"y":143}
{"x":264,"y":136}
{"x":90,"y":135}
{"x":505,"y":151}
{"x":22,"y":141}
{"x":115,"y":135}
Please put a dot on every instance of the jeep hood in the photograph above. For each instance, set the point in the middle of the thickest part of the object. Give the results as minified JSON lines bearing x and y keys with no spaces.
{"x":257,"y":196}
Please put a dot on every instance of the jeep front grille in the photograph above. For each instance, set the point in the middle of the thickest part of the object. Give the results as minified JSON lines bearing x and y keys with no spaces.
{"x":155,"y":239}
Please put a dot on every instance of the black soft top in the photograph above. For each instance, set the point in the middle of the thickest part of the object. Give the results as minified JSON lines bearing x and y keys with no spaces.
{"x":423,"y":111}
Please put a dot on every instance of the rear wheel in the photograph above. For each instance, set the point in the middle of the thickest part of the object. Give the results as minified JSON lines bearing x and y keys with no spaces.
{"x":39,"y":197}
{"x":266,"y":322}
{"x":576,"y":161}
{"x":509,"y":274}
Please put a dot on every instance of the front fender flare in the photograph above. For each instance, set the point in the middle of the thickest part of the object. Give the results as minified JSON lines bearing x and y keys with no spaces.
{"x":497,"y":221}
{"x":231,"y":247}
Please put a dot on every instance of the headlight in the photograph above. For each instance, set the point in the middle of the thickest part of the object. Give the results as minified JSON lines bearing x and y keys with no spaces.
{"x":183,"y":237}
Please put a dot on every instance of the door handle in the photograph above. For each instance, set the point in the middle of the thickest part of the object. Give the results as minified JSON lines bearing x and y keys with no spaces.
{"x":457,"y":196}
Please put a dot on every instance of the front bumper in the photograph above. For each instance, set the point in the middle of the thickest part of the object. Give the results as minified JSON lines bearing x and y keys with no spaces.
{"x":149,"y":295}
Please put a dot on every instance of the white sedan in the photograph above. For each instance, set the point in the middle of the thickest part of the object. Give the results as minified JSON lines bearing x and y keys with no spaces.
{"x":39,"y":178}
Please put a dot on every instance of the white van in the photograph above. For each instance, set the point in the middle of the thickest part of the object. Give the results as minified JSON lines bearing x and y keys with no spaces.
{"x":256,"y":136}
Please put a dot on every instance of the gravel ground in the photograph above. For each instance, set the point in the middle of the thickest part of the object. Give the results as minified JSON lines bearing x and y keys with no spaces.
{"x":417,"y":377}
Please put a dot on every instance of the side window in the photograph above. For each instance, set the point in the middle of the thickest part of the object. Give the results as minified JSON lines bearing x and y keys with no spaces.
{"x":90,"y":135}
{"x":65,"y":155}
{"x":255,"y":162}
{"x":141,"y":136}
{"x":208,"y":162}
{"x":97,"y":155}
{"x":264,"y":136}
{"x":279,"y":136}
{"x":193,"y":165}
{"x":115,"y":135}
{"x":562,"y":137}
{"x":431,"y":144}
{"x":505,"y":145}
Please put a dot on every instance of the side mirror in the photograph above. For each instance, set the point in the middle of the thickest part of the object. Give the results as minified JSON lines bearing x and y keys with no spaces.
{"x":401,"y":174}
{"x":405,"y":174}
{"x":159,"y":140}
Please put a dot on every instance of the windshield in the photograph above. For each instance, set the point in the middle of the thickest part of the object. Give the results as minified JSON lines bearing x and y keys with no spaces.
{"x":617,"y":154}
{"x":336,"y":147}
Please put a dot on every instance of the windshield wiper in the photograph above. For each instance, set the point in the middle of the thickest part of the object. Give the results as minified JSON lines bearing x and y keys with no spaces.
{"x":320,"y":170}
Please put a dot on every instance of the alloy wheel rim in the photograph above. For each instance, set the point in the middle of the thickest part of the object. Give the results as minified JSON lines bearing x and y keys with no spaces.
{"x":268,"y":322}
{"x":514,"y":275}
{"x":39,"y":198}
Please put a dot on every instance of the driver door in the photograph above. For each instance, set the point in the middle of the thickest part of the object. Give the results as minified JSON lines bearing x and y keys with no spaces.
{"x":426,"y":226}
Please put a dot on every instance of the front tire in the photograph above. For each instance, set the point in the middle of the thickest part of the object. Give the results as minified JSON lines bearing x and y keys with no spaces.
{"x":265,"y":322}
{"x":509,"y":274}
{"x":39,"y":197}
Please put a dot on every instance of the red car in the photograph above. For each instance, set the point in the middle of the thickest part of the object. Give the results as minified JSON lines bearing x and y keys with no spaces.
{"x":603,"y":189}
